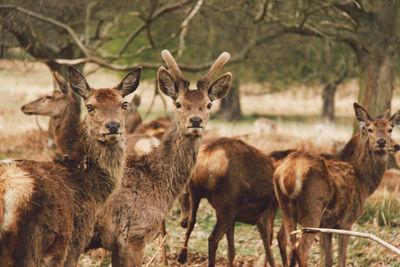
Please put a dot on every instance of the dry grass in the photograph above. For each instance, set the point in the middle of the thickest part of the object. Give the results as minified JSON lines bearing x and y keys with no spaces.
{"x":296,"y":114}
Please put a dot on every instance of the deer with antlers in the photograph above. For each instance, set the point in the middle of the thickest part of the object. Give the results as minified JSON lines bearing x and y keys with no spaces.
{"x":151,"y":183}
{"x":319,"y":192}
{"x":47,"y":209}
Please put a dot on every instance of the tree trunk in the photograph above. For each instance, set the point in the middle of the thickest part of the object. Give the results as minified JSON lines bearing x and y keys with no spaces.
{"x":230,"y":105}
{"x":328,"y":97}
{"x":376,"y":80}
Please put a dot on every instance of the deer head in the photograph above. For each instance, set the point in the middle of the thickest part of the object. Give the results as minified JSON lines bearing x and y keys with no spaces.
{"x":51,"y":104}
{"x":106,"y":107}
{"x":193,"y":105}
{"x":377,"y":131}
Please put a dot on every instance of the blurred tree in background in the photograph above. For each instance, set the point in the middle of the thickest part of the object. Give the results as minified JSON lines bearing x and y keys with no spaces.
{"x":284,"y":43}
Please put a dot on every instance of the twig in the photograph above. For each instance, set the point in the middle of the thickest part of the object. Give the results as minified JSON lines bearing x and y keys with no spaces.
{"x":185,"y":26}
{"x":310,"y":230}
{"x":158,"y":249}
{"x":51,"y":21}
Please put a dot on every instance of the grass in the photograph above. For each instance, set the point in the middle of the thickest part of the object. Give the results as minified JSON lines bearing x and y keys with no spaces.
{"x":296,"y":114}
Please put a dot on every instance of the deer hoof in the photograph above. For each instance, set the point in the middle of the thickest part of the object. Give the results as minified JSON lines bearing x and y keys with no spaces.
{"x":184,"y":223}
{"x":183,"y":256}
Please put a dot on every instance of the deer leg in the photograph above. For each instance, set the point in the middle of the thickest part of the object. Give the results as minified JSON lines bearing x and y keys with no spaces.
{"x":194,"y":205}
{"x":289,"y":225}
{"x":184,"y":204}
{"x":231,"y":244}
{"x":164,"y":247}
{"x":282,"y":242}
{"x":343,"y":243}
{"x":310,"y":217}
{"x":266,"y":226}
{"x":224,"y":223}
{"x":326,"y":248}
{"x":129,"y":254}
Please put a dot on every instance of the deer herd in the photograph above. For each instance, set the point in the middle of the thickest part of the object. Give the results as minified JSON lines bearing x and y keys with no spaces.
{"x":117,"y":178}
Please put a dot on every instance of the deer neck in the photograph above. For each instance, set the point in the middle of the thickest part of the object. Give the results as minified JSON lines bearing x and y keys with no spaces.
{"x":177,"y":156}
{"x":102,"y":163}
{"x":370,"y":166}
{"x":67,"y":125}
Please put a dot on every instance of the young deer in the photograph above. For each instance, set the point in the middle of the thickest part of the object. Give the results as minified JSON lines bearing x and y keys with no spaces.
{"x":319,"y":192}
{"x":151,"y":183}
{"x":47,"y":209}
{"x":236,"y":178}
{"x":63,"y":106}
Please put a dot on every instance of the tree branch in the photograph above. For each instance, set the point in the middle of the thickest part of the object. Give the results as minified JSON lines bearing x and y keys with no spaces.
{"x":311,"y":230}
{"x":163,"y":10}
{"x":185,"y":26}
{"x":242,"y":55}
{"x":51,"y":21}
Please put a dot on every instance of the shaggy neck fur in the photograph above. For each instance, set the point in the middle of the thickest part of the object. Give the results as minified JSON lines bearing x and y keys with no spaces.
{"x":105,"y":160}
{"x":370,"y":165}
{"x":67,"y":126}
{"x":177,"y":158}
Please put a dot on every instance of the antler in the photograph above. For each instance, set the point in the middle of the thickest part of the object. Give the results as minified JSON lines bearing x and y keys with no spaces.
{"x":171,"y":63}
{"x":206,"y":80}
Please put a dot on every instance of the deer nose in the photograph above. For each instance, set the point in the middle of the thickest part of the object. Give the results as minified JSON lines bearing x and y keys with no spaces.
{"x":196,"y":121}
{"x":113,"y":127}
{"x":23,"y":107}
{"x":381,"y":142}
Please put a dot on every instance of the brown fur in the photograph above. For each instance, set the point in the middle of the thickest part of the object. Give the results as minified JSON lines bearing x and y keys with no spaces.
{"x":64,"y":108}
{"x":236,"y":179}
{"x":49,"y":207}
{"x":152,"y":182}
{"x":132,"y":116}
{"x":155,"y":128}
{"x":332,"y":193}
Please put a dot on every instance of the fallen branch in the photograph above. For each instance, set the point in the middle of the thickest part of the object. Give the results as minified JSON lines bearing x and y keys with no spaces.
{"x":309,"y":230}
{"x":158,"y":249}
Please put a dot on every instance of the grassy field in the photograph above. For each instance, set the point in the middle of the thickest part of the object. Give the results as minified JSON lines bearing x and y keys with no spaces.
{"x":296,"y":114}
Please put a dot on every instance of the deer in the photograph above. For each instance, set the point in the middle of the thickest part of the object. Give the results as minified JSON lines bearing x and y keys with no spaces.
{"x":132,"y":117}
{"x":315,"y":191}
{"x":63,"y":106}
{"x":132,"y":217}
{"x":48,"y":209}
{"x":236,"y":179}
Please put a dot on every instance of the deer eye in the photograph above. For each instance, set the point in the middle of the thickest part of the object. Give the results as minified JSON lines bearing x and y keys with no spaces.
{"x":390,"y":130}
{"x":370,"y":130}
{"x":90,"y":108}
{"x":49,"y":97}
{"x":178,"y":105}
{"x":125,"y":105}
{"x":209,"y":105}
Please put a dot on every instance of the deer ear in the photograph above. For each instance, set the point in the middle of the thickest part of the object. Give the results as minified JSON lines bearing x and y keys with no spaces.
{"x":62,"y":83}
{"x":361,"y":114}
{"x":395,"y":119}
{"x":386,"y":114}
{"x":220,"y":86}
{"x":136,"y":100}
{"x":78,"y":82}
{"x":130,"y":82}
{"x":167,"y":84}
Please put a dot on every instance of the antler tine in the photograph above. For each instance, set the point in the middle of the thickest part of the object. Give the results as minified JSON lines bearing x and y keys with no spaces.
{"x":218,"y":64}
{"x":171,"y":63}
